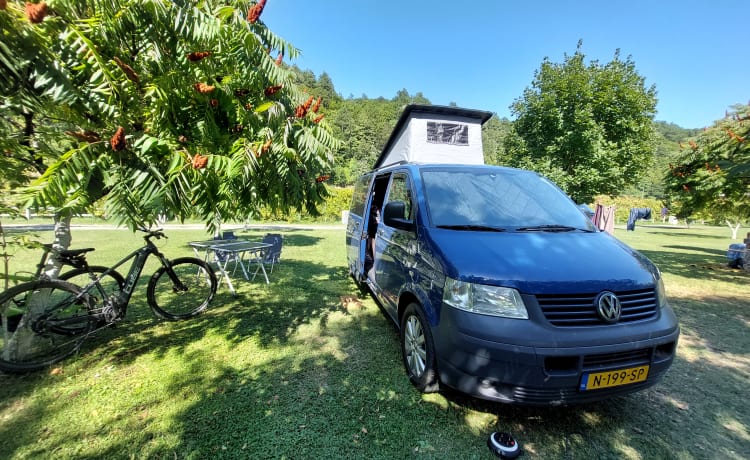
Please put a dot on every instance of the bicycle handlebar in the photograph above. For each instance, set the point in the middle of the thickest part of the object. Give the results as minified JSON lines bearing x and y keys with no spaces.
{"x":158,"y":233}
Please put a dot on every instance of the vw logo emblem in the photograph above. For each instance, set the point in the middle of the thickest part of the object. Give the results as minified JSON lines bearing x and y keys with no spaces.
{"x":608,"y":307}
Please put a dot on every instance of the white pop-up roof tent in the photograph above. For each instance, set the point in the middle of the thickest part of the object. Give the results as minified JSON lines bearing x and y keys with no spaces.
{"x":436,"y":134}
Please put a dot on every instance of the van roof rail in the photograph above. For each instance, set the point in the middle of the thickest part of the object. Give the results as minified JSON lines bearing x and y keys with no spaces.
{"x":400,"y":162}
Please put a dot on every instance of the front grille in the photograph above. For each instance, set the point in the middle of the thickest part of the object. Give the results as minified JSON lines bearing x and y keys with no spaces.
{"x":607,"y":360}
{"x":569,"y":396}
{"x":569,"y":310}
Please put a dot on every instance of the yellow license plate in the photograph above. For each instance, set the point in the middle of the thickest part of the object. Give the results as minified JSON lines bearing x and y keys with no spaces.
{"x":598,"y":380}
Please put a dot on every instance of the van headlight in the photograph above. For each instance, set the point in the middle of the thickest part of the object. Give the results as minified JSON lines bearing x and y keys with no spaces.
{"x":661,"y":296}
{"x":483,"y":299}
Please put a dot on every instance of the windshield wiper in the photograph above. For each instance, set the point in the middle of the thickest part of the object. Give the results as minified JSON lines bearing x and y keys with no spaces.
{"x":550,"y":228}
{"x":476,"y":228}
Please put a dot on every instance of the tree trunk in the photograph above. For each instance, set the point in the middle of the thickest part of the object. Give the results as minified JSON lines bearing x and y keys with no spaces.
{"x":734,"y":229}
{"x":217,"y":232}
{"x":6,"y":257}
{"x":62,"y":241}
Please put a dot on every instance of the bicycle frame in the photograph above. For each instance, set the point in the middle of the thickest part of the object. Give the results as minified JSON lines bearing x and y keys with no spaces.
{"x":43,"y":261}
{"x":139,"y":257}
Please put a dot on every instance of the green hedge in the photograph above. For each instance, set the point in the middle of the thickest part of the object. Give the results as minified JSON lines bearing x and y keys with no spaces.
{"x":339,"y":199}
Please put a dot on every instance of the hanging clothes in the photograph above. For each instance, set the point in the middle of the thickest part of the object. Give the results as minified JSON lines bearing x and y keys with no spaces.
{"x":635,"y":214}
{"x":597,"y":215}
{"x":604,"y":218}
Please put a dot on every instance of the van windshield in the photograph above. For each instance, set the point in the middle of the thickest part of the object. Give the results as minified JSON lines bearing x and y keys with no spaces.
{"x":500,"y":199}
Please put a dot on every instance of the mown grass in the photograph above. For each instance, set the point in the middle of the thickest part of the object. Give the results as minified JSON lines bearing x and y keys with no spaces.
{"x":307,"y":367}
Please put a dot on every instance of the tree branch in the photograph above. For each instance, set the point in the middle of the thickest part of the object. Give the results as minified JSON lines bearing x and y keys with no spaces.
{"x":28,"y":134}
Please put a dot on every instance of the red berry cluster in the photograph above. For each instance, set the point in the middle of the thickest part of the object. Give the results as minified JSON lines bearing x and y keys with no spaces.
{"x":301,"y":110}
{"x":734,"y":136}
{"x":117,"y":142}
{"x":199,"y":161}
{"x":316,"y":106}
{"x":36,"y":12}
{"x":203,"y":88}
{"x":271,"y":90}
{"x":196,"y":56}
{"x":253,"y":14}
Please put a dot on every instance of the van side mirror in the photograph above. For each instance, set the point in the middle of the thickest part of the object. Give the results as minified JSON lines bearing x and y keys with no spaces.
{"x":393,"y":216}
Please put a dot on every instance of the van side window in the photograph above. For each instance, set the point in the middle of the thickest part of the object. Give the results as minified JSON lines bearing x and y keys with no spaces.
{"x":359,"y":197}
{"x":400,"y":191}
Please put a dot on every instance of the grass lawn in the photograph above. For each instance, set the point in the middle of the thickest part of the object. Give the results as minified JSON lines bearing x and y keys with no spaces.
{"x":307,"y":367}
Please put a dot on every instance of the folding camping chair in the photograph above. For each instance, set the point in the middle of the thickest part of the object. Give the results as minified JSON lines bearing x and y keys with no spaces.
{"x":272,"y":255}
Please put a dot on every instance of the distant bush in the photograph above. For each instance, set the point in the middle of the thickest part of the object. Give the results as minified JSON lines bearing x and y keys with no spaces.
{"x":338,"y":200}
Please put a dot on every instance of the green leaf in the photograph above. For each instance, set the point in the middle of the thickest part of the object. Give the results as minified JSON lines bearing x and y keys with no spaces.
{"x":264,"y":107}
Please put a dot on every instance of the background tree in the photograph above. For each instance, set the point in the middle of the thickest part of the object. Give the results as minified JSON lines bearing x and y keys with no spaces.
{"x":366,"y":124}
{"x":494,"y":133}
{"x":713,"y":174}
{"x":587,"y":127}
{"x":321,"y":86}
{"x":166,"y":108}
{"x":650,"y":182}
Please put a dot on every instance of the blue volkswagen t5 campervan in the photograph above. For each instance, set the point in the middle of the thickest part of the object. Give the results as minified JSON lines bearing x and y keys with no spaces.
{"x":502,"y":288}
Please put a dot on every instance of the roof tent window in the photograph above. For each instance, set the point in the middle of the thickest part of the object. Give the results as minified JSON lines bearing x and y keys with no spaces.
{"x":447,"y":133}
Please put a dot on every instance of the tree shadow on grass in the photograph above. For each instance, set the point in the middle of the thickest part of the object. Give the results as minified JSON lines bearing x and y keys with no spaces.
{"x":697,"y":411}
{"x":291,"y":237}
{"x":307,"y":397}
{"x":709,"y":251}
{"x":269,"y":313}
{"x":695,"y":265}
{"x":335,"y":388}
{"x":299,"y":290}
{"x":261,"y":315}
{"x":688,"y":233}
{"x":285,"y":370}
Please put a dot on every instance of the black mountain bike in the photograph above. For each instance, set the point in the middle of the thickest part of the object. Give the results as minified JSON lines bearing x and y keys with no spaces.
{"x":46,"y":320}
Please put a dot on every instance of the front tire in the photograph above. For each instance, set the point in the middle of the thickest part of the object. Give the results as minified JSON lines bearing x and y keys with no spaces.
{"x":418,"y":350}
{"x":187,"y":295}
{"x":41,"y":322}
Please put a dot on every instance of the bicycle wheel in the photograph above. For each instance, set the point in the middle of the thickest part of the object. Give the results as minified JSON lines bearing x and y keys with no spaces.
{"x":42,"y":322}
{"x":112,"y":282}
{"x":184,"y":296}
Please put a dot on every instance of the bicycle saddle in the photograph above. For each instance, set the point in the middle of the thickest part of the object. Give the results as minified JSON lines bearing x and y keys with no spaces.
{"x":74,"y":252}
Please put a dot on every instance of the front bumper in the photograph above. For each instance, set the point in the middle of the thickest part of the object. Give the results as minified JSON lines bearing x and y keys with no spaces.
{"x":531,"y":364}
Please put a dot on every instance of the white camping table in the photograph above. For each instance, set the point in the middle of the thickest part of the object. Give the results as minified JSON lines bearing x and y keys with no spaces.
{"x":243,"y":252}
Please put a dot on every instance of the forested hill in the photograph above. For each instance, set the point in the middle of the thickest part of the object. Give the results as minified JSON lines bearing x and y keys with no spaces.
{"x":364,"y":124}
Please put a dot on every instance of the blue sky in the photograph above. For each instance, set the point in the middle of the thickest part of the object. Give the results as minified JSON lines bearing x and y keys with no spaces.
{"x":483,"y":54}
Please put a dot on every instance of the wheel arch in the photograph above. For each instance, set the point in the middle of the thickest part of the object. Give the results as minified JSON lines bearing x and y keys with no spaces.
{"x":411,"y":294}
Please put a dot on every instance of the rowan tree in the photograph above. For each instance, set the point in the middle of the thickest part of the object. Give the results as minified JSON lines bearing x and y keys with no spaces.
{"x":176,"y":108}
{"x":713,"y":173}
